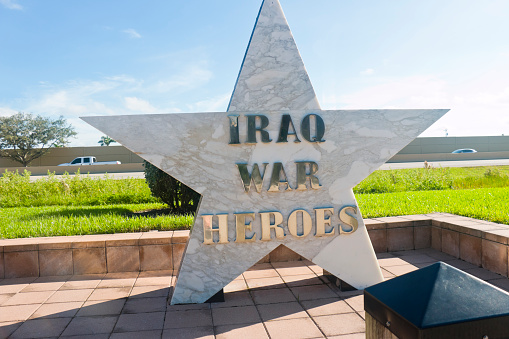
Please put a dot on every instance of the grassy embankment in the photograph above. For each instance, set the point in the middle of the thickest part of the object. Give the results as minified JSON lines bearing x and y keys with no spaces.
{"x":82,"y":205}
{"x":79,"y":205}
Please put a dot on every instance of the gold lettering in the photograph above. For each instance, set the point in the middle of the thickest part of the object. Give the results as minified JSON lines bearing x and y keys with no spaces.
{"x":256,"y":177}
{"x":322,"y":220}
{"x":302,"y":175}
{"x":348,"y":219}
{"x":208,"y":229}
{"x":278,"y":171}
{"x":242,"y":226}
{"x":267,"y":225}
{"x":307,"y":223}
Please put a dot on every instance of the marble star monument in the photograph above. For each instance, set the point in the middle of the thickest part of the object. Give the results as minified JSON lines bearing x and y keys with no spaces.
{"x":274,"y":169}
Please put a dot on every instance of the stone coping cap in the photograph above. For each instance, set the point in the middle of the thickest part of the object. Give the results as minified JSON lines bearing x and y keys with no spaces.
{"x":477,"y":228}
{"x":92,"y":241}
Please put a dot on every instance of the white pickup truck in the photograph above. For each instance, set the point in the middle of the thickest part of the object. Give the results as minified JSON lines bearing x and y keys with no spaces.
{"x":82,"y":161}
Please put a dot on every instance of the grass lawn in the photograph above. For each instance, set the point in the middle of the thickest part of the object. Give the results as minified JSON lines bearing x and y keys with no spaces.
{"x":83,"y":205}
{"x":47,"y":221}
{"x":483,"y":203}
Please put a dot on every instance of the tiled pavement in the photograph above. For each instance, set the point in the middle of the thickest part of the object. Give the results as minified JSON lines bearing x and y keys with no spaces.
{"x":278,"y":300}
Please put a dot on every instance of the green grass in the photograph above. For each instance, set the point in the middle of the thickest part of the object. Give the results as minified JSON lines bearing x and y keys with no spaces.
{"x":47,"y":221}
{"x":432,"y":179}
{"x":16,"y":190}
{"x":83,"y":205}
{"x":484,"y":203}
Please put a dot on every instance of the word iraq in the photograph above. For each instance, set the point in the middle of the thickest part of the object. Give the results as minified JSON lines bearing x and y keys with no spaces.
{"x":299,"y":225}
{"x":312,"y":129}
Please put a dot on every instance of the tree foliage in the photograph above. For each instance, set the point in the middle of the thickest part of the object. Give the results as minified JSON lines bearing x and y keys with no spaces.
{"x":180,"y":198}
{"x":25,"y":137}
{"x":105,"y":141}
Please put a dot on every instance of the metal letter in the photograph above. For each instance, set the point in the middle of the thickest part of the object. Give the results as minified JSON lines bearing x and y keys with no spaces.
{"x":234,"y":129}
{"x":267,"y":225}
{"x":255,"y":176}
{"x":275,"y":180}
{"x":307,"y":224}
{"x":302,"y":175}
{"x":348,"y":219}
{"x":208,"y":229}
{"x":321,"y":221}
{"x":240,"y":222}
{"x":286,"y":122}
{"x":252,"y":129}
{"x":305,"y":128}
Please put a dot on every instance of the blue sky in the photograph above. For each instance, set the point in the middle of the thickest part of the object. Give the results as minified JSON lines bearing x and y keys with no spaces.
{"x":78,"y":58}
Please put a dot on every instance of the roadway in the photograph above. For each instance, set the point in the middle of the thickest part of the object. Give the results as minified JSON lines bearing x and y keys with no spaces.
{"x":388,"y":166}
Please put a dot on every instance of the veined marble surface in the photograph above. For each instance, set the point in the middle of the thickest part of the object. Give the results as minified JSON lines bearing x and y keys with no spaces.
{"x":194,"y":148}
{"x":272,"y":76}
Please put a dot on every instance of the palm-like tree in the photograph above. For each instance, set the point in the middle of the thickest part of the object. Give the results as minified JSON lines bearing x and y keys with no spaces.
{"x":105,"y":141}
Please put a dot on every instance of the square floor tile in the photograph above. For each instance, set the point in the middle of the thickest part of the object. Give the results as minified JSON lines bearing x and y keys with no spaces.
{"x":28,"y":298}
{"x":191,"y":318}
{"x":302,"y":280}
{"x":80,"y":284}
{"x":5,"y":297}
{"x":235,"y":315}
{"x":145,"y":305}
{"x":281,"y":311}
{"x":338,"y":324}
{"x":326,"y":307}
{"x":280,"y":295}
{"x":356,"y":302}
{"x":202,"y":332}
{"x":247,"y":331}
{"x":90,"y":325}
{"x":402,"y":269}
{"x":154,"y":334}
{"x":313,"y":292}
{"x":241,"y":298}
{"x":266,"y":272}
{"x":236,"y":285}
{"x":18,"y":312}
{"x":266,"y":283}
{"x":43,"y":286}
{"x":6,"y":328}
{"x":140,"y":322}
{"x":101,"y":307}
{"x":164,"y":280}
{"x":41,"y":328}
{"x":292,"y":268}
{"x":57,"y":310}
{"x":110,"y":293}
{"x":293,"y":328}
{"x":69,"y":295}
{"x":150,"y":292}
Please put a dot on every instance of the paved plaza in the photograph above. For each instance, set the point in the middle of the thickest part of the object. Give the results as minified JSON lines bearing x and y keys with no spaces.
{"x":273,"y":300}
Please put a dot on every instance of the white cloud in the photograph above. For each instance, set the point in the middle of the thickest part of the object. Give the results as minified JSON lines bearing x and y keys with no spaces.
{"x":132,"y":33}
{"x":189,"y":78}
{"x":217,"y":104}
{"x":11,"y":4}
{"x":479,"y":104}
{"x":368,"y":71}
{"x":6,"y":111}
{"x":139,"y":105}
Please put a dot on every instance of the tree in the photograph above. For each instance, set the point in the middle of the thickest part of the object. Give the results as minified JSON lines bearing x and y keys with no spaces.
{"x":180,"y":198}
{"x":25,"y":137}
{"x":105,"y":141}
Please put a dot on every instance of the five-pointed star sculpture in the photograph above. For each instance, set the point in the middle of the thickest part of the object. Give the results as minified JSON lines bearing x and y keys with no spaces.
{"x":197,"y":149}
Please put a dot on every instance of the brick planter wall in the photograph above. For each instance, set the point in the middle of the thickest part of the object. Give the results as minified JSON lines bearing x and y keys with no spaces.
{"x":484,"y":244}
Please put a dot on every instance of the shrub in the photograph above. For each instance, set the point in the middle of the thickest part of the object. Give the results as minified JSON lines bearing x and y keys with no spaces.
{"x":179,"y":198}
